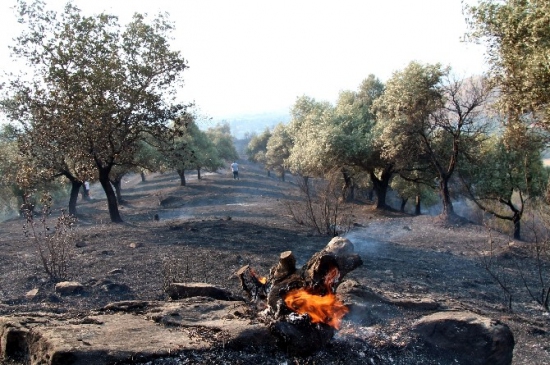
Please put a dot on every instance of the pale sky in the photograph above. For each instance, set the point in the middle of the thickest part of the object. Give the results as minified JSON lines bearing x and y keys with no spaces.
{"x":254,"y":56}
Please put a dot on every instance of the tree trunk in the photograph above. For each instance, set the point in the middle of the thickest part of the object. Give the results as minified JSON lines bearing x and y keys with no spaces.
{"x":403,"y":203}
{"x":417,"y":206}
{"x":381,"y":185}
{"x":283,"y":175}
{"x":117,"y":183}
{"x":75,"y":188}
{"x":181,"y":174}
{"x":516,"y":219}
{"x":198,"y":173}
{"x":268,"y":173}
{"x":448,"y":211}
{"x":349,"y":187}
{"x":142,"y":176}
{"x":112,"y":203}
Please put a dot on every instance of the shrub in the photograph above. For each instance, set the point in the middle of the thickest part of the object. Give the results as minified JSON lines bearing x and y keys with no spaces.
{"x":53,"y":242}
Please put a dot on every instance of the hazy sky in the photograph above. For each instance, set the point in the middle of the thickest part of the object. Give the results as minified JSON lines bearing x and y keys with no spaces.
{"x":253,"y":56}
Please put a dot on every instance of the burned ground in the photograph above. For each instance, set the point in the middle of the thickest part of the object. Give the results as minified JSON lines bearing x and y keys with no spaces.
{"x":207,"y":230}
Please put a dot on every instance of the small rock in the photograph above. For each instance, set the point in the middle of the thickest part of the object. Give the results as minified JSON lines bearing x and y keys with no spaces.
{"x":116,"y":271}
{"x":115,"y":288}
{"x":31,"y":294}
{"x":68,"y":288}
{"x":136,"y":244}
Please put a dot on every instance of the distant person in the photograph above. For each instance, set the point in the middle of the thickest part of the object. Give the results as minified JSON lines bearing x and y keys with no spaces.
{"x":235,"y":169}
{"x":86,"y":190}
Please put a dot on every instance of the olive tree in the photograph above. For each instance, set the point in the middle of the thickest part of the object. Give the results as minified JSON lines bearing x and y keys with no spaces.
{"x":310,"y":130}
{"x":518,"y":44}
{"x":94,"y":88}
{"x":431,"y":118}
{"x":355,"y":135}
{"x":221,"y":137}
{"x":503,"y":179}
{"x":278,"y":149}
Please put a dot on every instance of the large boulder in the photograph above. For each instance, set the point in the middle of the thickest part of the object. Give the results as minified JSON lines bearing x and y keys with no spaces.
{"x":130,"y":331}
{"x":467,"y":337}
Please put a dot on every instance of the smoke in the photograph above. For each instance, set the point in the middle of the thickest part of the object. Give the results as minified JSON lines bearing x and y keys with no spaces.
{"x":364,"y":245}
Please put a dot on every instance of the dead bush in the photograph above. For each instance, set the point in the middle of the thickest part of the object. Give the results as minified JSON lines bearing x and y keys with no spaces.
{"x":52,"y":237}
{"x":322,"y":206}
{"x":522,"y":268}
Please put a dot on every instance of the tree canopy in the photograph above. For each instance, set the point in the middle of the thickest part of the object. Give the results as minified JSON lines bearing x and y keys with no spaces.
{"x":518,"y":51}
{"x":94,"y":88}
{"x":432,"y":121}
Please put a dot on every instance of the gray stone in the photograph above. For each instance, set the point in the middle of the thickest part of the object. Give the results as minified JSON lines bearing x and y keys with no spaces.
{"x":132,"y":330}
{"x":470,"y":338}
{"x":31,"y":294}
{"x":68,"y":288}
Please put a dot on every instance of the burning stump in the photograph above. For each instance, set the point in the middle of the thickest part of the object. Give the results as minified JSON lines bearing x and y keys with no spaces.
{"x":301,"y":306}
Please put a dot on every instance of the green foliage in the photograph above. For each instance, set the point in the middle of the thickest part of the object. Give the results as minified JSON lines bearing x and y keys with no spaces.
{"x":93,"y":91}
{"x":278,"y":149}
{"x":310,"y":131}
{"x":257,"y":147}
{"x":503,"y":178}
{"x":518,"y":48}
{"x":430,"y":123}
{"x":221,"y":137}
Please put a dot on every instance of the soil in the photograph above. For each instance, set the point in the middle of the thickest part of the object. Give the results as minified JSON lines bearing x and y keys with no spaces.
{"x":207,"y":230}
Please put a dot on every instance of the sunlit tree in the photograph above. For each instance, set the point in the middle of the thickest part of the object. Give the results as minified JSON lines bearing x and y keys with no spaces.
{"x":310,"y":131}
{"x":504,"y":178}
{"x":517,"y":36}
{"x":221,"y":137}
{"x":354,"y":138}
{"x":278,"y":150}
{"x":257,"y":148}
{"x":430,"y":118}
{"x":94,"y":88}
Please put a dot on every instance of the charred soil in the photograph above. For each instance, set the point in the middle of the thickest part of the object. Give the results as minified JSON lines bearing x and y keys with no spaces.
{"x":207,"y":230}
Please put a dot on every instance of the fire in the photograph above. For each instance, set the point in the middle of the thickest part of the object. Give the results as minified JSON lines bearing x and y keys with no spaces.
{"x":261,"y":279}
{"x":326,"y":308}
{"x":321,"y":309}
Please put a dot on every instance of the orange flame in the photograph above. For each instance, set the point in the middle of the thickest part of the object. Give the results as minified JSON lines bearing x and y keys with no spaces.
{"x":326,"y":309}
{"x":261,"y":279}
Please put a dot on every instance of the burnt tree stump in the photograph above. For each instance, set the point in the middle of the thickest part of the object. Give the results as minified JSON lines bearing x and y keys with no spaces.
{"x":303,"y":311}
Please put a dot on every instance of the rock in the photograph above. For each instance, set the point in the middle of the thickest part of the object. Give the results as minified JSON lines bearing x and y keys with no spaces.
{"x":31,"y":294}
{"x":239,"y":330}
{"x":116,"y":271}
{"x":116,"y":288}
{"x":188,"y":290}
{"x":68,"y":288}
{"x":468,"y":337}
{"x":134,"y":331}
{"x":12,"y":339}
{"x":136,"y":244}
